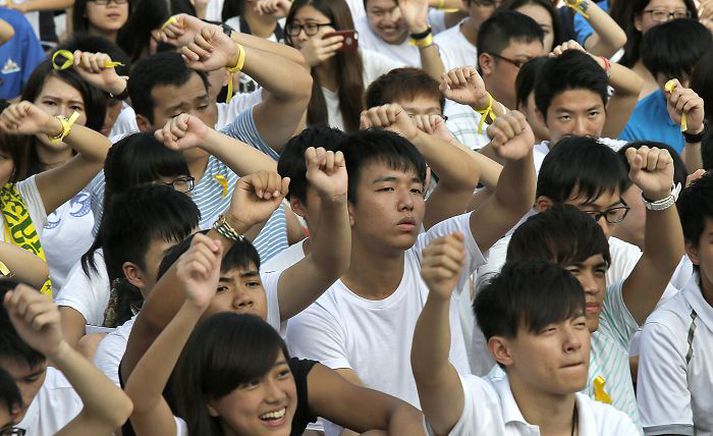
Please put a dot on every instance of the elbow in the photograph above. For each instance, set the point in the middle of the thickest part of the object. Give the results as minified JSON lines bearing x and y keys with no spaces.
{"x":122,"y":412}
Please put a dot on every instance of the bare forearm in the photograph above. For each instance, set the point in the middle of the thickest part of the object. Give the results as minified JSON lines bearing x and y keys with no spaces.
{"x":431,"y":61}
{"x":281,"y":50}
{"x":663,"y":240}
{"x":240,"y":157}
{"x":90,"y":144}
{"x":23,"y":265}
{"x":692,"y":157}
{"x":47,"y":5}
{"x":516,"y":187}
{"x":608,"y":36}
{"x":332,"y":242}
{"x":455,"y":166}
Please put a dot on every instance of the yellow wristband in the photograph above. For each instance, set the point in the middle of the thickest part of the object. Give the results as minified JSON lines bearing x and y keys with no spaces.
{"x":69,"y":61}
{"x":235,"y":69}
{"x":486,"y":113}
{"x":423,"y":42}
{"x":67,"y":124}
{"x":577,"y":6}
{"x":669,"y":87}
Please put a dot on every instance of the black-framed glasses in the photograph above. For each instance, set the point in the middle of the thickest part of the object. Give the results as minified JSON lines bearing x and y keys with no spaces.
{"x":106,"y":2}
{"x":443,"y":117}
{"x":518,"y":64}
{"x":660,"y":15}
{"x":11,"y":430}
{"x":310,"y":29}
{"x":182,"y":184}
{"x":612,"y":215}
{"x":486,"y":3}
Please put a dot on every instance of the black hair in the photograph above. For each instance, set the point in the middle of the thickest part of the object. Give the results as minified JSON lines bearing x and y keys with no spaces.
{"x":12,"y":347}
{"x":80,"y":22}
{"x":241,"y":255}
{"x":526,"y":79}
{"x":403,"y":84}
{"x":702,"y":82}
{"x":496,"y":33}
{"x":707,"y":150}
{"x":162,"y":69}
{"x":377,"y":145}
{"x":131,"y":221}
{"x":232,"y":8}
{"x":93,"y":99}
{"x":580,"y":165}
{"x":224,"y":351}
{"x":9,"y":393}
{"x":292,"y":159}
{"x":513,"y":5}
{"x":562,"y":234}
{"x":695,"y":205}
{"x":529,"y":294}
{"x":572,"y":70}
{"x":146,"y":16}
{"x":98,"y":44}
{"x":626,"y":12}
{"x":674,"y":48}
{"x":679,"y":167}
{"x":15,"y":148}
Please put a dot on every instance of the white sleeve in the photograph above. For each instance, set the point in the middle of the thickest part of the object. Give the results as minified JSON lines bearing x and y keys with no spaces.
{"x":376,"y":64}
{"x":437,"y":19}
{"x":315,"y":334}
{"x":480,"y":407}
{"x":616,"y":320}
{"x":270,"y":281}
{"x":31,"y":195}
{"x":662,"y":384}
{"x":108,"y":356}
{"x":181,"y":427}
{"x":87,"y":295}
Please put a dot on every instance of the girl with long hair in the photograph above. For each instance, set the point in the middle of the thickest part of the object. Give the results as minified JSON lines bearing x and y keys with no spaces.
{"x":100,"y":17}
{"x":544,"y":14}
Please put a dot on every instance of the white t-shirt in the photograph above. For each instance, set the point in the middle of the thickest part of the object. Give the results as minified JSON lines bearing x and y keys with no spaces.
{"x":676,"y":366}
{"x":228,"y":112}
{"x":88,"y":295}
{"x":373,"y":337}
{"x":490,"y":408}
{"x":375,"y":64}
{"x":54,"y":406}
{"x":35,"y":207}
{"x":455,"y":50}
{"x":111,"y":350}
{"x":124,"y":125}
{"x":288,"y":257}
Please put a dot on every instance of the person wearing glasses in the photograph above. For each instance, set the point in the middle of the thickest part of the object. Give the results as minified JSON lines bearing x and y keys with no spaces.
{"x":642,"y":16}
{"x":100,"y":17}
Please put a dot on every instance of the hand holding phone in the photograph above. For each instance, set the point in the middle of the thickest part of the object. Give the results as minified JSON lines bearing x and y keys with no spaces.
{"x":351,"y":39}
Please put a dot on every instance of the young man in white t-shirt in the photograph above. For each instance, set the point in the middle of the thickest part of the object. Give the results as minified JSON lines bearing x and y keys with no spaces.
{"x":533,"y":316}
{"x":676,"y":356}
{"x":372,"y":310}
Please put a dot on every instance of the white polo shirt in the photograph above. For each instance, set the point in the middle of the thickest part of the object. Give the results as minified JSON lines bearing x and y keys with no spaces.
{"x":676,"y":366}
{"x":489,"y":408}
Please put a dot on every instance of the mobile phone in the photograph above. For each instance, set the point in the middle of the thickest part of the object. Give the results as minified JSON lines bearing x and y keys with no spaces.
{"x":351,"y":39}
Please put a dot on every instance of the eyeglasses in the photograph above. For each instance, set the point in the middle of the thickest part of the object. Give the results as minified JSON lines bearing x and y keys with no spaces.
{"x":183,"y":184}
{"x":106,"y":2}
{"x":661,"y":16}
{"x":516,"y":63}
{"x":11,"y":430}
{"x":612,"y":216}
{"x":310,"y":29}
{"x":443,"y":117}
{"x":487,"y":3}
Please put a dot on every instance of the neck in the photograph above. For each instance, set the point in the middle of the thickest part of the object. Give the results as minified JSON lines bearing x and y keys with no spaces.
{"x":470,"y":31}
{"x":108,"y":34}
{"x":553,"y":413}
{"x":373,"y":275}
{"x":197,"y":167}
{"x":52,"y":158}
{"x":706,"y":289}
{"x":261,"y":26}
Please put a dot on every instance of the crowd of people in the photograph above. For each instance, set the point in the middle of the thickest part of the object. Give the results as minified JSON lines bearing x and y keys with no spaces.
{"x":340,"y":217}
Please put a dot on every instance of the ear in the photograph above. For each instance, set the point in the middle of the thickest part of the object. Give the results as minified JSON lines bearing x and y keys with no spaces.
{"x":297,"y":207}
{"x":212,"y":411}
{"x":500,"y":350}
{"x":133,"y":274}
{"x":486,"y":63}
{"x":692,"y":252}
{"x":144,"y":124}
{"x":637,"y":22}
{"x":350,"y":209}
{"x":542,"y":203}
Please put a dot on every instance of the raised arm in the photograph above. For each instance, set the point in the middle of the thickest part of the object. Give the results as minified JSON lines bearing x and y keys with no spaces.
{"x":40,"y":5}
{"x":186,"y":131}
{"x":23,"y":265}
{"x":439,"y":387}
{"x":6,"y":31}
{"x":608,"y":37}
{"x":58,"y":185}
{"x":652,"y":171}
{"x":198,"y":269}
{"x":415,"y":13}
{"x":301,"y":284}
{"x":36,"y":320}
{"x":680,"y":101}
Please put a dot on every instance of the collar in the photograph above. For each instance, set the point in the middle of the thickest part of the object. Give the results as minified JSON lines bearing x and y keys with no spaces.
{"x":694,"y":296}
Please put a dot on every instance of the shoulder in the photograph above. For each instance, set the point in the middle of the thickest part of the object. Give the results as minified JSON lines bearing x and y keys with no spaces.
{"x":604,"y":419}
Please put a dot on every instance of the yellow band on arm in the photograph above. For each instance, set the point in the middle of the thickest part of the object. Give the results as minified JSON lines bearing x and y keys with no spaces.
{"x":423,"y":42}
{"x":577,"y":6}
{"x":67,"y":124}
{"x":238,"y":67}
{"x":669,"y":87}
{"x":69,"y":61}
{"x":486,"y":113}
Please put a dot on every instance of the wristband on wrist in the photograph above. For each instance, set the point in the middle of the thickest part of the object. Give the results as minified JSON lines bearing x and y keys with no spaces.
{"x":607,"y":66}
{"x":121,"y":96}
{"x":694,"y":138}
{"x":235,"y":69}
{"x":67,"y":124}
{"x":224,"y":229}
{"x":423,"y":42}
{"x":665,"y":202}
{"x":485,"y":114}
{"x":579,"y":6}
{"x":421,"y":35}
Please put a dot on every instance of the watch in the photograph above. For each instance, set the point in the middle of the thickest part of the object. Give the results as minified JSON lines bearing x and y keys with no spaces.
{"x":665,"y":202}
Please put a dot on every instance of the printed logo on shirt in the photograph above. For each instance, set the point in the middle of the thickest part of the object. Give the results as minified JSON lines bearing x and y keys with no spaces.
{"x":10,"y":67}
{"x":79,"y":206}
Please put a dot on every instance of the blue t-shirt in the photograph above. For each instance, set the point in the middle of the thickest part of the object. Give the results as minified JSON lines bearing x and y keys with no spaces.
{"x":19,"y":56}
{"x":650,"y":122}
{"x":581,"y":26}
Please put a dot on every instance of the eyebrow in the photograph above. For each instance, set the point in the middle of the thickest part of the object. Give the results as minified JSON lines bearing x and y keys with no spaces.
{"x":394,"y":179}
{"x":52,"y":97}
{"x":246,"y":274}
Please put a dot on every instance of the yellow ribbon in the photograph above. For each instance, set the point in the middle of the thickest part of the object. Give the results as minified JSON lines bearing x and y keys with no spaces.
{"x":223,"y":182}
{"x":69,"y":61}
{"x":669,"y":87}
{"x":67,"y":124}
{"x":423,"y":42}
{"x":172,"y":20}
{"x":599,"y":393}
{"x":486,"y":113}
{"x":4,"y":270}
{"x":235,"y":69}
{"x":577,"y":6}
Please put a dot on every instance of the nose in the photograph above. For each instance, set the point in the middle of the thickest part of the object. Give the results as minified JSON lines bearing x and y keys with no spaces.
{"x":274,"y":392}
{"x":589,"y":283}
{"x":604,"y":225}
{"x":242,"y":301}
{"x":406,"y":200}
{"x":571,"y":340}
{"x":580,"y":127}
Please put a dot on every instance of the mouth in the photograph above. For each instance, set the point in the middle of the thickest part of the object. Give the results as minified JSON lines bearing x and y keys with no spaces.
{"x":275,"y":418}
{"x":407,"y":224}
{"x":573,"y":365}
{"x":592,"y":308}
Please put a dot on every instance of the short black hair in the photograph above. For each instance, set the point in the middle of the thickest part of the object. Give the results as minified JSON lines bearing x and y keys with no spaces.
{"x":12,"y":347}
{"x":572,"y":70}
{"x":292,"y":159}
{"x":581,"y":165}
{"x":674,"y":48}
{"x":695,"y":205}
{"x":562,"y":234}
{"x":530,"y":294}
{"x":9,"y":393}
{"x":679,"y":167}
{"x":161,"y":69}
{"x":99,"y":44}
{"x":702,"y":82}
{"x":526,"y":79}
{"x":377,"y":145}
{"x":497,"y":32}
{"x":405,"y":83}
{"x":707,"y":150}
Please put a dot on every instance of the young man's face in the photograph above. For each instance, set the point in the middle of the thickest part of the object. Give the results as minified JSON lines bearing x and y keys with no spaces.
{"x":702,"y":255}
{"x":578,"y":112}
{"x":591,"y":274}
{"x":554,"y":360}
{"x":389,"y":208}
{"x":28,"y":380}
{"x":421,"y":105}
{"x":500,"y":69}
{"x":386,"y":21}
{"x":158,"y":248}
{"x":239,"y":290}
{"x":605,"y":202}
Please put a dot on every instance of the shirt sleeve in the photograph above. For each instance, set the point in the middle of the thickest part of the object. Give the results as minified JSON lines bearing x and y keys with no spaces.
{"x":662,"y":385}
{"x":86,"y":296}
{"x":244,"y":129}
{"x":480,"y":402}
{"x":31,"y":195}
{"x":270,"y":281}
{"x":616,"y":319}
{"x":315,"y":334}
